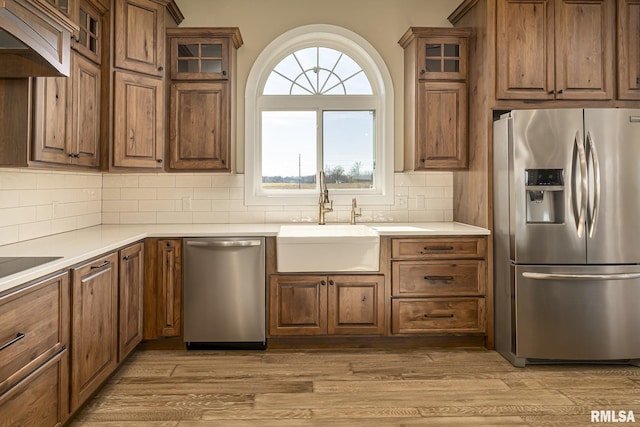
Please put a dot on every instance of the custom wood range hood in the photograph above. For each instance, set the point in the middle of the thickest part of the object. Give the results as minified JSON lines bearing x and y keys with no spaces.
{"x":35,"y":39}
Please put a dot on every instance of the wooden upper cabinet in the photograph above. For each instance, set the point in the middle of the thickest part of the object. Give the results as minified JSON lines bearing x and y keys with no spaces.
{"x":436,"y":98}
{"x":140,"y":36}
{"x":199,"y":127}
{"x":86,"y":111}
{"x":629,"y":49}
{"x":138,"y":122}
{"x":51,"y":122}
{"x":555,"y":49}
{"x":202,"y":64}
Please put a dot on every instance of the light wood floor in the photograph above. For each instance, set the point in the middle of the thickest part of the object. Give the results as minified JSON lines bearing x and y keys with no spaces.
{"x":460,"y":387}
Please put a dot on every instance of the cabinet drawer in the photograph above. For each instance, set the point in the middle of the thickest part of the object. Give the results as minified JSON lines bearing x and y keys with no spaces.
{"x":444,"y":315}
{"x":438,"y":278}
{"x":39,"y":400}
{"x":34,"y":325}
{"x":439,"y":248}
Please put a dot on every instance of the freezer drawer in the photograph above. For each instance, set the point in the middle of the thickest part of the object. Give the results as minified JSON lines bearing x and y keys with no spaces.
{"x":577,"y":313}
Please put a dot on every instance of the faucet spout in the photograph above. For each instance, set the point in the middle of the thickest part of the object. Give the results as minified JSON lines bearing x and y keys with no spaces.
{"x":324,"y":198}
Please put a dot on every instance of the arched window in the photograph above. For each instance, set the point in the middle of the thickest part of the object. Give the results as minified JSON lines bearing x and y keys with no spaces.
{"x":319,"y":98}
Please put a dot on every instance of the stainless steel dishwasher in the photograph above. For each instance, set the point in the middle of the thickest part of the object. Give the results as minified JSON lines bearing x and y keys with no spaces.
{"x":224,"y":293}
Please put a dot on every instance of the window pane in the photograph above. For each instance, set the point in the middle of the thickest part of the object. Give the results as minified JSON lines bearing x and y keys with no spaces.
{"x":288,"y":150}
{"x":211,"y":50}
{"x":348,"y":148}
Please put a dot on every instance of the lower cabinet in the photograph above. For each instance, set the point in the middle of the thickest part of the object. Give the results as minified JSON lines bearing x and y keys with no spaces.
{"x":34,"y":359}
{"x":131,"y":282}
{"x":326,"y":305}
{"x":94,"y":338}
{"x":438,"y":285}
{"x":163,"y":288}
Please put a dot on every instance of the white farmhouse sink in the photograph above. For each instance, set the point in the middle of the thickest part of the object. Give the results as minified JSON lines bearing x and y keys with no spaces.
{"x":327,"y":248}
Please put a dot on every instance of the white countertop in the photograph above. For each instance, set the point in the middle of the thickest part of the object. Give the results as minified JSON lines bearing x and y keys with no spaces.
{"x":77,"y":246}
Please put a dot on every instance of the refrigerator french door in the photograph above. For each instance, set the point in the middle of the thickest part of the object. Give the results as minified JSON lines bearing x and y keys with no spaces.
{"x":566,"y":233}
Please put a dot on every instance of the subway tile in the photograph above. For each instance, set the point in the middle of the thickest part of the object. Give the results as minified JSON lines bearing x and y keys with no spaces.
{"x":34,"y":230}
{"x":410,"y":180}
{"x":156,"y":180}
{"x":246,"y":217}
{"x":137,"y":218}
{"x":9,"y":234}
{"x":138,"y":194}
{"x":110,"y":180}
{"x":193,"y":181}
{"x":441,"y":204}
{"x":155,"y":206}
{"x":221,"y":217}
{"x":44,"y":212}
{"x":44,"y":181}
{"x":448,"y":215}
{"x":175,"y":217}
{"x":9,"y":199}
{"x":120,"y":206}
{"x":174,"y":193}
{"x":111,"y":193}
{"x":89,"y":220}
{"x":231,"y":180}
{"x":236,"y":193}
{"x":17,"y":180}
{"x":211,"y":193}
{"x":62,"y":225}
{"x":439,"y":179}
{"x":110,"y":218}
{"x":16,"y":216}
{"x":426,"y":216}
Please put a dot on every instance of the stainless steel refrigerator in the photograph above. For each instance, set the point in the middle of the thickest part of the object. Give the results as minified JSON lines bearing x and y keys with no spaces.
{"x":566,"y":190}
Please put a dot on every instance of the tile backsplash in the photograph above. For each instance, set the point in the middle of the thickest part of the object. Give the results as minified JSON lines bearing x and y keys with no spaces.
{"x":215,"y":198}
{"x":39,"y":203}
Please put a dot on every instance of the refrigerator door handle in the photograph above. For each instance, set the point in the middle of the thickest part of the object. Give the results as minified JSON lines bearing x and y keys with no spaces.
{"x":562,"y":276}
{"x":593,"y":157}
{"x":582,"y":157}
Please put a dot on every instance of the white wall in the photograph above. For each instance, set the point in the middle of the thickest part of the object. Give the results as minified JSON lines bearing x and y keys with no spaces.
{"x":380,"y":22}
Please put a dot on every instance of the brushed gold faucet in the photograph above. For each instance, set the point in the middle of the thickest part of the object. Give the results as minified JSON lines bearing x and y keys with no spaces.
{"x":324,"y":198}
{"x":354,"y":215}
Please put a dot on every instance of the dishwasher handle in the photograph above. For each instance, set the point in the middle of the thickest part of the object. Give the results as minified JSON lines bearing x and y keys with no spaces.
{"x":224,"y":243}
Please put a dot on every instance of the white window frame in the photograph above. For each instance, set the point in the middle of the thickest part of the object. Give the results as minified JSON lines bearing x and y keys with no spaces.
{"x":374,"y":66}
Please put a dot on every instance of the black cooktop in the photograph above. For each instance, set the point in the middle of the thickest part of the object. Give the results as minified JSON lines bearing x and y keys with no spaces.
{"x":13,"y":265}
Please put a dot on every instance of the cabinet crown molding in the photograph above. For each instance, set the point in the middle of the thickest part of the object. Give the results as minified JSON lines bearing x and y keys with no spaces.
{"x":416,"y":32}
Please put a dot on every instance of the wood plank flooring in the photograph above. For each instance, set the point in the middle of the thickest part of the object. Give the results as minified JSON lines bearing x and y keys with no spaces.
{"x":355,"y":387}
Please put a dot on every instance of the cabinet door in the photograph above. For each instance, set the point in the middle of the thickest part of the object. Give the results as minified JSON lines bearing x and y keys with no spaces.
{"x":169,"y":277}
{"x":51,"y":120}
{"x":441,"y":135}
{"x":524,"y":49}
{"x":629,"y":49}
{"x":92,"y":25}
{"x":198,"y":126}
{"x":138,"y":131}
{"x":86,"y":111}
{"x":139,"y":36}
{"x":199,"y":58}
{"x":131,"y":282}
{"x":298,"y":305}
{"x":356,"y":304}
{"x":584,"y":43}
{"x":94,"y":332}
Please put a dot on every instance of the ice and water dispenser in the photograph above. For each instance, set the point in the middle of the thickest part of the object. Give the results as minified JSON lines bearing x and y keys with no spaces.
{"x":545,"y":195}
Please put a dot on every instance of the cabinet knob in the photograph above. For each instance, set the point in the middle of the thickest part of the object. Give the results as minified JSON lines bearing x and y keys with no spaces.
{"x":224,"y":72}
{"x":160,"y":68}
{"x":323,"y":283}
{"x":331,"y":282}
{"x":552,"y":92}
{"x":159,"y":160}
{"x":125,"y":258}
{"x":423,"y":71}
{"x":561,"y":91}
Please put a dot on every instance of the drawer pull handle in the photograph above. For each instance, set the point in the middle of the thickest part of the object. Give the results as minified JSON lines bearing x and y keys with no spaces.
{"x":18,"y":337}
{"x":439,"y":278}
{"x":104,"y":264}
{"x":438,"y":316}
{"x":427,"y":250}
